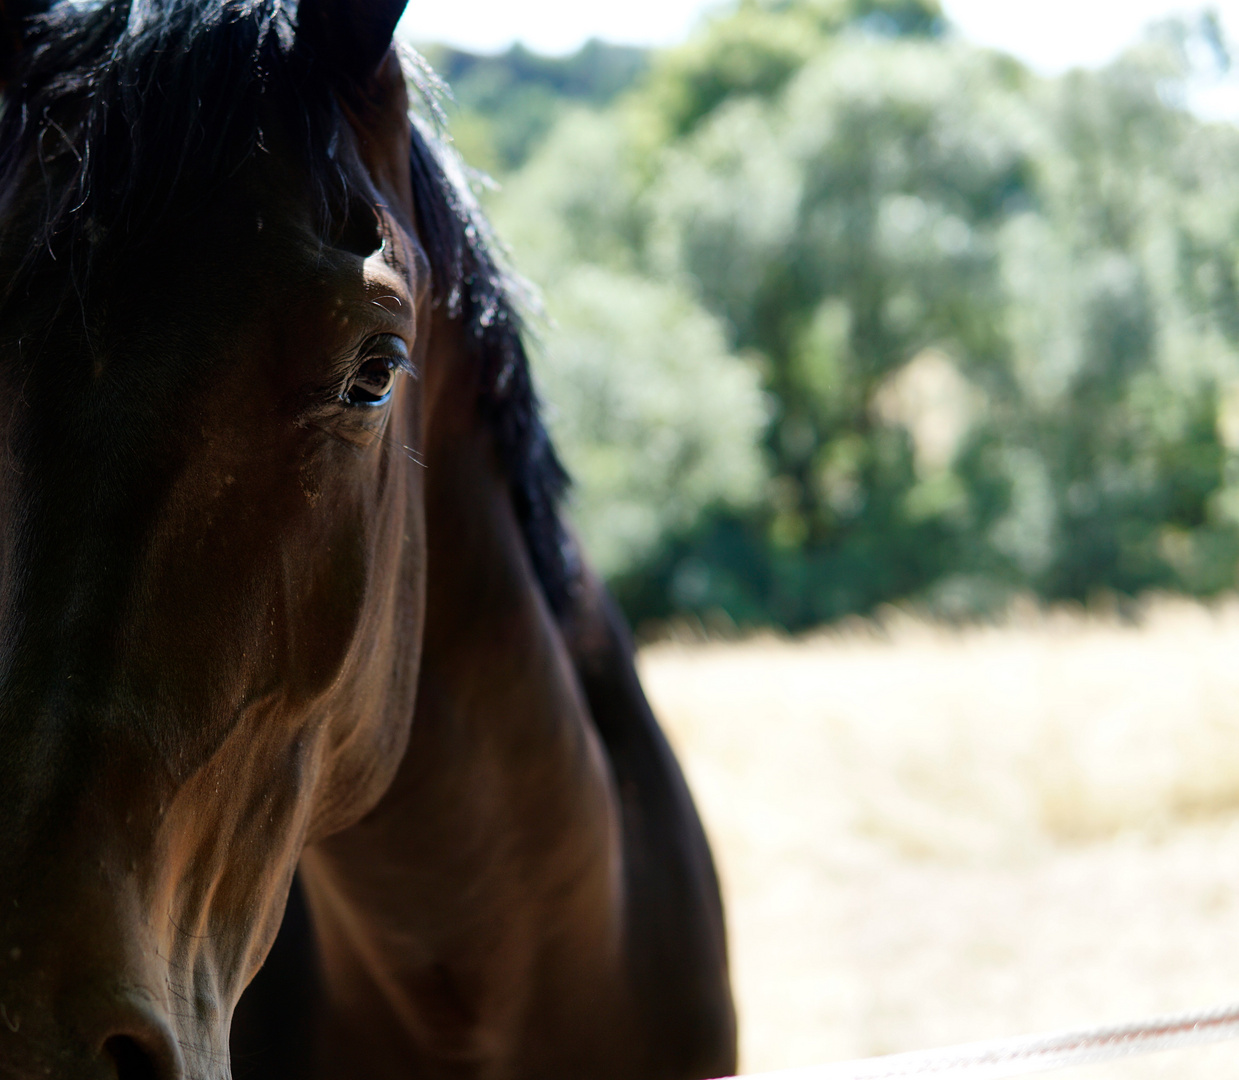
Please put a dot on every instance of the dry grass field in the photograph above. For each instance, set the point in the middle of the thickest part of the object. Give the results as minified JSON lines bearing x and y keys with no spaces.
{"x":931,"y":835}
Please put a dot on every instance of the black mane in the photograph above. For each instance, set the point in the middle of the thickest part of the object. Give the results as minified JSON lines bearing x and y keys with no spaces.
{"x":122,"y":114}
{"x":468,"y":280}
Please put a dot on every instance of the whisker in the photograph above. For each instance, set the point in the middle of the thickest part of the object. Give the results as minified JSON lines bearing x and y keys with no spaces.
{"x":185,"y":933}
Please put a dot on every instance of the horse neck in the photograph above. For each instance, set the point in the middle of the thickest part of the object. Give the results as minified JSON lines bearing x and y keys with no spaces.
{"x":486,"y":887}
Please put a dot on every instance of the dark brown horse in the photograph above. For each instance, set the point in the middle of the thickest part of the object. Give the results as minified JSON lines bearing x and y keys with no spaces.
{"x":286,"y":602}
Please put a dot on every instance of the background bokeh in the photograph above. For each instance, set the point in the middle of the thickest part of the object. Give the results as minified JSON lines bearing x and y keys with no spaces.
{"x":842,"y":310}
{"x":853,"y":328}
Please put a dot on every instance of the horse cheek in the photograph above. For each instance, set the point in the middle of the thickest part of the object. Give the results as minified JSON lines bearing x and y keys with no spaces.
{"x":369,"y":709}
{"x":325,"y":611}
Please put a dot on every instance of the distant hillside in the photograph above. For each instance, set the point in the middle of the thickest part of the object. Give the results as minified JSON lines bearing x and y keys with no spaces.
{"x":506,"y":103}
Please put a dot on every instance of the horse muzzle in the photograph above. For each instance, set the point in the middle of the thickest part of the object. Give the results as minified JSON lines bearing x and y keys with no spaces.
{"x":89,"y":992}
{"x":96,"y":1034}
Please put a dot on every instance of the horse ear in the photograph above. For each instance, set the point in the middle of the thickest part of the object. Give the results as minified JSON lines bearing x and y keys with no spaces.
{"x":350,"y":37}
{"x":15,"y":15}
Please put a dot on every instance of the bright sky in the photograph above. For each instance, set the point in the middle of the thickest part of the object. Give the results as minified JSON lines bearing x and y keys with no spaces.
{"x":1050,"y":35}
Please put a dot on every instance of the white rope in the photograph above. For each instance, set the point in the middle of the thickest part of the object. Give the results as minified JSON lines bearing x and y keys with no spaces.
{"x":1030,"y":1053}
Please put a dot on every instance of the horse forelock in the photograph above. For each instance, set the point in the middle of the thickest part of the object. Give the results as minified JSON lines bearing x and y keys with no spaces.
{"x":125,"y":116}
{"x":469,"y":280}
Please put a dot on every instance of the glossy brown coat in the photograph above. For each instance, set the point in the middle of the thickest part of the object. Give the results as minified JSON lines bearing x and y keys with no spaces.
{"x":255,"y":625}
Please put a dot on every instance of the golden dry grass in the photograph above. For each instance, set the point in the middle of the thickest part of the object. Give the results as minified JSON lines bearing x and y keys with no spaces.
{"x":930,"y":835}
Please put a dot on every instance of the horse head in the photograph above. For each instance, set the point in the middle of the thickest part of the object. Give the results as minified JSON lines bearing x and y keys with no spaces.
{"x":212,"y":328}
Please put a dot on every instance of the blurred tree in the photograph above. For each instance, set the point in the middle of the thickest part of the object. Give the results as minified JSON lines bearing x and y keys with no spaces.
{"x":502,"y":106}
{"x":995,"y":317}
{"x":651,"y":407}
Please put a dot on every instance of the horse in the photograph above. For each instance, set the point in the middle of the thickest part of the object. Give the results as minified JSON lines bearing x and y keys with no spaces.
{"x":322,"y":751}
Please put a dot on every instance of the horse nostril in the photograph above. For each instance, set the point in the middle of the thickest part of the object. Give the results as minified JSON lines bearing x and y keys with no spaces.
{"x":132,"y":1060}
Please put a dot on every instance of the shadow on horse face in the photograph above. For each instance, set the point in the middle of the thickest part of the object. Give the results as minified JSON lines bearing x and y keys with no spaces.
{"x":211,"y":584}
{"x":242,"y":298}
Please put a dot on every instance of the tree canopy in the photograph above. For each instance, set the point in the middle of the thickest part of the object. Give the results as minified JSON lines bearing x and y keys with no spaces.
{"x":845,"y":310}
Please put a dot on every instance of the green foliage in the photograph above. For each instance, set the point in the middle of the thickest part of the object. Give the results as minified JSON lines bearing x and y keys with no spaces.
{"x":849,"y":311}
{"x":503,"y":106}
{"x":755,"y":52}
{"x":759,"y":48}
{"x":651,"y":406}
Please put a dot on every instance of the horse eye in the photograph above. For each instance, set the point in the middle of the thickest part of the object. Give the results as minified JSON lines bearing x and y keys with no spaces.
{"x":375,"y":378}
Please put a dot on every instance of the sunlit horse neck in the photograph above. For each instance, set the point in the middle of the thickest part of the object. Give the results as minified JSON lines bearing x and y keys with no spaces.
{"x":283,"y":584}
